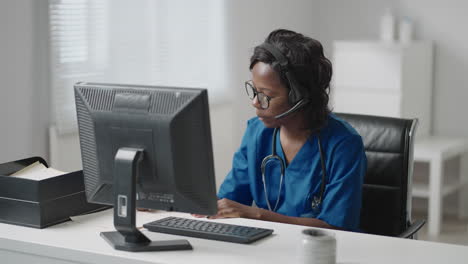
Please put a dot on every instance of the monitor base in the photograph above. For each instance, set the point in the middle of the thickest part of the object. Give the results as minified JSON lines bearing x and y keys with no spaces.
{"x":117,"y":241}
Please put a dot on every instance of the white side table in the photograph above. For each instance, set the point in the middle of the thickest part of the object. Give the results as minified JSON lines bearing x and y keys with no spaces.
{"x":435,"y":151}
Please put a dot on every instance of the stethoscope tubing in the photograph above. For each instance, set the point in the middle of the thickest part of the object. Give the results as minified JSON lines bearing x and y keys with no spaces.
{"x":273,"y":156}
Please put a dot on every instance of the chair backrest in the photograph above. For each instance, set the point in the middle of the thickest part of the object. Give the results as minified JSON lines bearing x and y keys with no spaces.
{"x":386,"y":200}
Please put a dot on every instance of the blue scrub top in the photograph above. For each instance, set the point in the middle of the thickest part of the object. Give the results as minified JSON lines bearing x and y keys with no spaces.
{"x":345,"y":163}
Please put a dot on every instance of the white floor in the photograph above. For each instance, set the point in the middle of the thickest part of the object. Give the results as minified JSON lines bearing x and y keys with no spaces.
{"x":454,"y":230}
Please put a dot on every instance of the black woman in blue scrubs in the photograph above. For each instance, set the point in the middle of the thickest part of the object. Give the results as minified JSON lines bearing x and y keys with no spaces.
{"x":298,"y":163}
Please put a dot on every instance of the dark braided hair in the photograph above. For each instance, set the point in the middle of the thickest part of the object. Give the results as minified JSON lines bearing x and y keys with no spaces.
{"x":310,"y":68}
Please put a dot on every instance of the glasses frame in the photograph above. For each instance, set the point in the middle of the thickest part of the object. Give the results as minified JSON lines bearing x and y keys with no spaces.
{"x":262,"y":98}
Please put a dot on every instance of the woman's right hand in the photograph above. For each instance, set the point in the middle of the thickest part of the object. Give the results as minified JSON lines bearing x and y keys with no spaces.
{"x":231,"y":209}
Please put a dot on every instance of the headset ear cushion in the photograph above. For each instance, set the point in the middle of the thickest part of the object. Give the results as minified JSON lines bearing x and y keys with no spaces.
{"x":294,"y":92}
{"x":292,"y":97}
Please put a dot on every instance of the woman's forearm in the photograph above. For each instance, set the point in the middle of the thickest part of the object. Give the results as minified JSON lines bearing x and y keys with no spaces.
{"x":266,"y":215}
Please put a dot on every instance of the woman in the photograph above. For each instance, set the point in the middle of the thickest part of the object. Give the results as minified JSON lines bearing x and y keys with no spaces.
{"x":323,"y":157}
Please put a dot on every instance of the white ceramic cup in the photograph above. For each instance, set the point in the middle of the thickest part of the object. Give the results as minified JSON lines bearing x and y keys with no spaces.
{"x":317,"y":247}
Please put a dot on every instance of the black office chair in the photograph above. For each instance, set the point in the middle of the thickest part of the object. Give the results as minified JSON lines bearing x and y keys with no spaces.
{"x":386,"y":197}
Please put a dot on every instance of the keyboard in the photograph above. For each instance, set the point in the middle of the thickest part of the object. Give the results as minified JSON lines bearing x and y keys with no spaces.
{"x":208,"y":230}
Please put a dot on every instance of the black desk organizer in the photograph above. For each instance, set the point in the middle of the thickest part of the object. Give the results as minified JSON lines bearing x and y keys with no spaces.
{"x":41,"y":203}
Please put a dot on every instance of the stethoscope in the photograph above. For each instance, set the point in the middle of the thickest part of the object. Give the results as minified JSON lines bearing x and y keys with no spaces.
{"x":316,"y":201}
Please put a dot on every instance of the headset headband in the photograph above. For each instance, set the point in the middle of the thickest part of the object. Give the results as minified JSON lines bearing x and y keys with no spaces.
{"x":282,"y":60}
{"x":297,"y":94}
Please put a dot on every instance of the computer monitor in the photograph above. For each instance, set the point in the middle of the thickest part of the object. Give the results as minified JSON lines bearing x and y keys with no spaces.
{"x":146,"y":147}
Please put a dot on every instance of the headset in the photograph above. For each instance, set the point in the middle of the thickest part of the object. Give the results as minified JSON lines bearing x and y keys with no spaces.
{"x":298,"y":97}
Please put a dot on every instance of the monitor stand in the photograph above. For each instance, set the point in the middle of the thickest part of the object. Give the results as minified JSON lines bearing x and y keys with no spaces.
{"x":128,"y":237}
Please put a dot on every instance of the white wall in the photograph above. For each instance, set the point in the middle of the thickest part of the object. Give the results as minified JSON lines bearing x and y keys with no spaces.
{"x":248,"y":23}
{"x":439,"y":21}
{"x":24,"y":93}
{"x":24,"y":104}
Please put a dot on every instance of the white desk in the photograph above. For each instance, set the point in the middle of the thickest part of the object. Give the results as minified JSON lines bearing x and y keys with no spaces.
{"x":435,"y":151}
{"x":79,"y":242}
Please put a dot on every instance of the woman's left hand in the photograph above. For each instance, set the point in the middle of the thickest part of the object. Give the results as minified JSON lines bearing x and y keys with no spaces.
{"x":228,"y":209}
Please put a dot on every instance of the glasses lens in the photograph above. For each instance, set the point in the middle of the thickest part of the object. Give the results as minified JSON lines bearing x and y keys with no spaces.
{"x":250,"y":90}
{"x":263,"y":100}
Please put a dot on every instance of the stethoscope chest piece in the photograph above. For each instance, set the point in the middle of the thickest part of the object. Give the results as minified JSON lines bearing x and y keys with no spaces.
{"x":315,"y":203}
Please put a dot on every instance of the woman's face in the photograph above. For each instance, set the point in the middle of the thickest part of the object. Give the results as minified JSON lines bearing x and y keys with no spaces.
{"x":267,"y":81}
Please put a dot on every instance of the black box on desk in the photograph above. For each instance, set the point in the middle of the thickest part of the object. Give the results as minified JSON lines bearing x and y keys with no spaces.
{"x":41,"y":203}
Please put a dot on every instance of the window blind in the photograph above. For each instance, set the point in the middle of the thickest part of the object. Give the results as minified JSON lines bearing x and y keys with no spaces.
{"x":161,"y":42}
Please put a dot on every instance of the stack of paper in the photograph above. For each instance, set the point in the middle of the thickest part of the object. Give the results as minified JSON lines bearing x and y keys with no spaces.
{"x":37,"y":171}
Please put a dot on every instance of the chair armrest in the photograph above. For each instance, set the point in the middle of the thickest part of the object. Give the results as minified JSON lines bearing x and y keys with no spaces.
{"x":412,"y":229}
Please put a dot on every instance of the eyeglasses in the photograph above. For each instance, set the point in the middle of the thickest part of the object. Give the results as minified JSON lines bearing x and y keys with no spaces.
{"x":263,"y":99}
